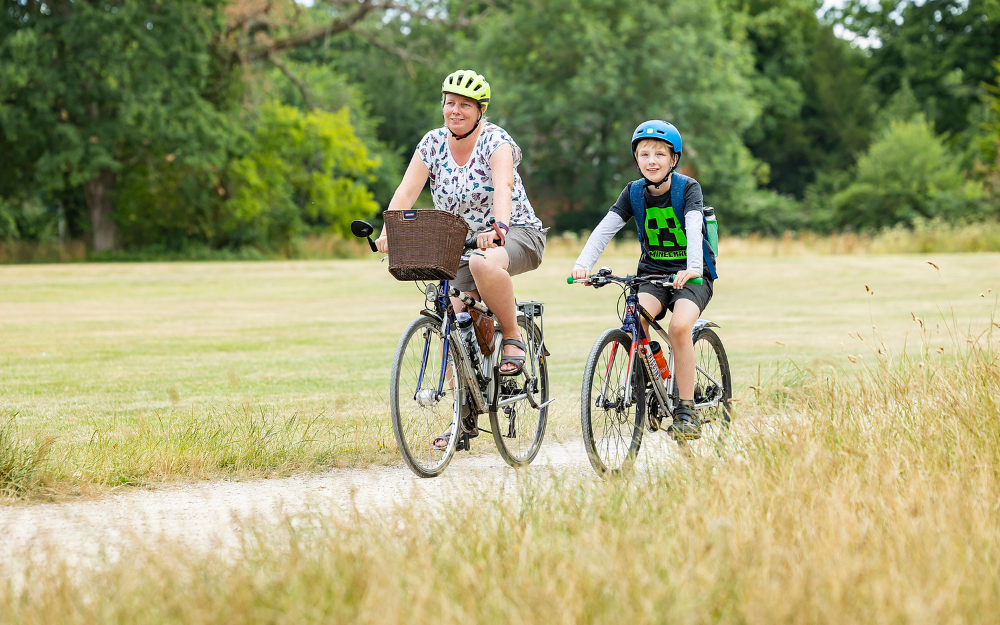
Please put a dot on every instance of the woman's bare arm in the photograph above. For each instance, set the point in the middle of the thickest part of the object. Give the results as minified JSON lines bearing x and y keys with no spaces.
{"x":406,"y":194}
{"x":502,"y":164}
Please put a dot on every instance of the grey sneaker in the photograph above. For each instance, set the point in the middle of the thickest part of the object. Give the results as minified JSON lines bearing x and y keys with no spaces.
{"x":685,"y":425}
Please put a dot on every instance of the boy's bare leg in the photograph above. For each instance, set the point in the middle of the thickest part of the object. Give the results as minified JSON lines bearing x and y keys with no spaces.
{"x":681,"y":323}
{"x":652,"y":306}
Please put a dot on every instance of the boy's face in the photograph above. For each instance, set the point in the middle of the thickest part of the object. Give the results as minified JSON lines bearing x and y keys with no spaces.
{"x":656,"y":158}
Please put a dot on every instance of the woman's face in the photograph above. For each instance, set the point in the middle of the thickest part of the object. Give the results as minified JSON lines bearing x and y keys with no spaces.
{"x":460,"y":113}
{"x":655,"y":159}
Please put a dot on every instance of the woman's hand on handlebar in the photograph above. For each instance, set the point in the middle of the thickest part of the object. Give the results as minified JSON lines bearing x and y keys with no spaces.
{"x":382,"y":243}
{"x":683,"y":276}
{"x":486,"y":240}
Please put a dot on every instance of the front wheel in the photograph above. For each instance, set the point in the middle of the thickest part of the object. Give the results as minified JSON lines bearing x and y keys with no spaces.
{"x":519,"y":426}
{"x":612,"y":404}
{"x":424,"y":397}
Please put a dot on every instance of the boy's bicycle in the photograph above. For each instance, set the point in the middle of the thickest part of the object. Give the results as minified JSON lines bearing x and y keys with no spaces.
{"x":624,"y":391}
{"x":441,"y":382}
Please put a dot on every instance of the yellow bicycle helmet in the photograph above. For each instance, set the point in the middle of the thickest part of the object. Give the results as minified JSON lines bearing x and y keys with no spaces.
{"x":467,"y":83}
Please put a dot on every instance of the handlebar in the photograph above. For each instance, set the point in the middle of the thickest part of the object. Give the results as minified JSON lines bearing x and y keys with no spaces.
{"x":598,"y":280}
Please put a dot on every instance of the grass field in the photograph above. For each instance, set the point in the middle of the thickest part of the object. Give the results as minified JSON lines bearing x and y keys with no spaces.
{"x":116,"y":374}
{"x":862,"y":486}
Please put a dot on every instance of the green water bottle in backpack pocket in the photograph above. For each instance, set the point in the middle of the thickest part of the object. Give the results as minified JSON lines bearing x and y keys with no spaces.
{"x":712,"y":229}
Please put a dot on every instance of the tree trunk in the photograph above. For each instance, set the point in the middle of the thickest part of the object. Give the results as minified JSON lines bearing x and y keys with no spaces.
{"x":101,"y":208}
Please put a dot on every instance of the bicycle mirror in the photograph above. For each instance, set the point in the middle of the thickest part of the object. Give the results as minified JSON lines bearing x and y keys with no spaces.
{"x":361,"y":229}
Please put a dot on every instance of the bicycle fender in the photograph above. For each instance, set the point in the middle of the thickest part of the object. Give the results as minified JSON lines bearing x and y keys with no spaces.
{"x":700,"y":325}
{"x":431,"y":314}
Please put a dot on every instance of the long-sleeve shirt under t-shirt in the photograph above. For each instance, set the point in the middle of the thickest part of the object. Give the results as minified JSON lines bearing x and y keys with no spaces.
{"x":668,"y":247}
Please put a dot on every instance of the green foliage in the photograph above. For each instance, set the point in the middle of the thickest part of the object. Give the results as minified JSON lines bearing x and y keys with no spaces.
{"x":26,"y":218}
{"x":330,"y":90}
{"x":943,"y":49}
{"x":303,"y":173}
{"x":906,"y":174}
{"x":87,"y":87}
{"x":815,"y":106}
{"x":170,"y":108}
{"x":572,"y":79}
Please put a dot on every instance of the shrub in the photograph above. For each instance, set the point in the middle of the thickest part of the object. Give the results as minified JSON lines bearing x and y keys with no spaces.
{"x":906,"y":174}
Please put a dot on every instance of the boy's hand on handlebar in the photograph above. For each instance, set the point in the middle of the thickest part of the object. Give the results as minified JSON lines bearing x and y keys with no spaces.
{"x":580,"y":273}
{"x":683,"y":276}
{"x":382,"y":243}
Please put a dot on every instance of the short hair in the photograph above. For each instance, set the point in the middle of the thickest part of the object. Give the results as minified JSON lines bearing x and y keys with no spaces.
{"x":647,"y":141}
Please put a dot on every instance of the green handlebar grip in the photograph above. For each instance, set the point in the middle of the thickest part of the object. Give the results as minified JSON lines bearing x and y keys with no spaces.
{"x":695,"y":280}
{"x":569,"y":280}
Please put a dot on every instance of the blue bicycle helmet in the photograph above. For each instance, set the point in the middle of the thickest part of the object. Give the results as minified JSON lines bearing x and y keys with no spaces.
{"x":662,"y":130}
{"x":658,"y":129}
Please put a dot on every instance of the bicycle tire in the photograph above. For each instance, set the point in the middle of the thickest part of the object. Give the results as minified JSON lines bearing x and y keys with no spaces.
{"x":710,"y":357}
{"x":518,"y":429}
{"x":620,"y":426}
{"x":418,"y":418}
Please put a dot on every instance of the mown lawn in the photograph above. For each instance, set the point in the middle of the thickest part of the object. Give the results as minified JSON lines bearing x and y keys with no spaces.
{"x":129,"y":373}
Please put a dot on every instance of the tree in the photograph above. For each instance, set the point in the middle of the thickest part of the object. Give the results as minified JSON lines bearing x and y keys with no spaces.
{"x":816,"y":109}
{"x":93,"y":94}
{"x":942,"y":49}
{"x":87,"y":89}
{"x":302,"y":173}
{"x":572,"y":78}
{"x":907,"y":174}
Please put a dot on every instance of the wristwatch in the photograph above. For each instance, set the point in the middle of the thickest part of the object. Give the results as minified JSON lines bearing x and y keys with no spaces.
{"x":501,"y":229}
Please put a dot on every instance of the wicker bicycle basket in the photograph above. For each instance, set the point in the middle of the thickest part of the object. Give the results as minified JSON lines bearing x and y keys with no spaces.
{"x":424,"y":244}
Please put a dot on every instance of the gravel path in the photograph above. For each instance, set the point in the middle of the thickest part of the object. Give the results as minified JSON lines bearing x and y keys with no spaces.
{"x":209,"y":515}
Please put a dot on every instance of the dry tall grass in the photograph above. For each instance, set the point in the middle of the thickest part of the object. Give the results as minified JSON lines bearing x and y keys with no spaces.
{"x":934,"y":236}
{"x":925,"y":237}
{"x":47,"y":252}
{"x":866,"y":496}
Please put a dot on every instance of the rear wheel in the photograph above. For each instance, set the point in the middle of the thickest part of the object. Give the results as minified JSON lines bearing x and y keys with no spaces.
{"x":420,"y":412}
{"x":713,"y":390}
{"x":612,"y":419}
{"x":519,"y":426}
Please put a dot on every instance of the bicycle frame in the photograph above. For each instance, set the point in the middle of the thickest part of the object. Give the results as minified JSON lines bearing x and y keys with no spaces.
{"x":445,"y":312}
{"x":474,"y":378}
{"x":640,"y":348}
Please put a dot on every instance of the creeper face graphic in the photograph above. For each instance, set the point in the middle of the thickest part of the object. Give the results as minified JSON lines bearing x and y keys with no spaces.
{"x":663,"y":230}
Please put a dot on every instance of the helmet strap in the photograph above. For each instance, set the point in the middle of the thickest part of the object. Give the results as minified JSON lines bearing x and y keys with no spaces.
{"x":460,"y":137}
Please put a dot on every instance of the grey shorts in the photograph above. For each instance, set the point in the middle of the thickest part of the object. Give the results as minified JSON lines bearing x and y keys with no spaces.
{"x":700,"y":294}
{"x":524,"y":247}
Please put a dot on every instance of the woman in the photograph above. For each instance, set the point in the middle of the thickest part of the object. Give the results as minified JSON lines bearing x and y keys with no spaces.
{"x":471,"y":165}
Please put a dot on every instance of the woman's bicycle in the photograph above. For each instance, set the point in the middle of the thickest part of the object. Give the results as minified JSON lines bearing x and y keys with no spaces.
{"x":442,"y":381}
{"x":625,"y":393}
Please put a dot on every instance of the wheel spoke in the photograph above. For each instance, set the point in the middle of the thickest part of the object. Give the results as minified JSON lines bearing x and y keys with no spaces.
{"x":419,"y":415}
{"x":611,"y":428}
{"x":519,"y":426}
{"x":713,"y":390}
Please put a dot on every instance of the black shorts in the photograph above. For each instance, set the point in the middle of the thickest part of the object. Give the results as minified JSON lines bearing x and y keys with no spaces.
{"x":700,"y":294}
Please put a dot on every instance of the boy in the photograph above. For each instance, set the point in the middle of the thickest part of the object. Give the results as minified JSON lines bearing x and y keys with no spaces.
{"x":668,"y":247}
